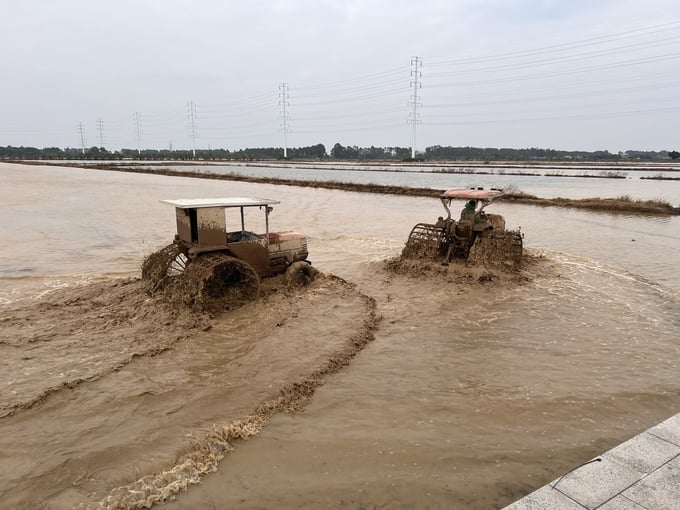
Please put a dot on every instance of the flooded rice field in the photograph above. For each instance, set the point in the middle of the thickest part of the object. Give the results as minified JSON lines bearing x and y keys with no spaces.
{"x":383,"y":384}
{"x":544,"y":181}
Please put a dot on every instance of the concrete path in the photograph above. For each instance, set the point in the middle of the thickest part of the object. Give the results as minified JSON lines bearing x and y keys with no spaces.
{"x":641,"y":474}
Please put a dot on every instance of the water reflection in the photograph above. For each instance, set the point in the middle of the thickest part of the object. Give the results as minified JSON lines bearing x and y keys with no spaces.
{"x":546,"y":187}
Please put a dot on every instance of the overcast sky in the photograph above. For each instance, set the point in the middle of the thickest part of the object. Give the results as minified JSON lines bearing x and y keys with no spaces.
{"x":574,"y":75}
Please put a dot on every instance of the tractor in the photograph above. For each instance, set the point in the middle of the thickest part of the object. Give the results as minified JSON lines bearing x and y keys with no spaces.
{"x":214,"y":253}
{"x":477,"y":236}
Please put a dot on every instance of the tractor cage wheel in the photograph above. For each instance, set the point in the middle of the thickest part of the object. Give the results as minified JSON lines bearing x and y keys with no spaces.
{"x":300,"y":274}
{"x":222,"y":281}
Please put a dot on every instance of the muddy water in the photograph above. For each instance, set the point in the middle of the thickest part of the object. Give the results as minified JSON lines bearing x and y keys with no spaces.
{"x":476,"y":387}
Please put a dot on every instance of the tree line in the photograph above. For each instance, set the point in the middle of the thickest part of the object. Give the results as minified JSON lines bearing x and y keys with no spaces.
{"x":338,"y":152}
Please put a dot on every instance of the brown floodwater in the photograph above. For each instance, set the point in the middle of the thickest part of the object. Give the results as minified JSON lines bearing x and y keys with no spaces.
{"x":420,"y":387}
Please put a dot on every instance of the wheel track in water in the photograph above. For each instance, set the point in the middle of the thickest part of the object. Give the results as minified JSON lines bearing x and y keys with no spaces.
{"x":206,"y":452}
{"x":76,"y":322}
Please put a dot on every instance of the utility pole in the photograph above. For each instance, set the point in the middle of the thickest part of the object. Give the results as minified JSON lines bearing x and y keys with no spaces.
{"x":138,"y":131}
{"x":283,"y":102}
{"x":416,"y":63}
{"x":191,"y":110}
{"x":82,"y":137}
{"x":100,"y":128}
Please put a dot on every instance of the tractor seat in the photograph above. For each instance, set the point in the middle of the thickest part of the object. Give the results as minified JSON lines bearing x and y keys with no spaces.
{"x":241,"y":235}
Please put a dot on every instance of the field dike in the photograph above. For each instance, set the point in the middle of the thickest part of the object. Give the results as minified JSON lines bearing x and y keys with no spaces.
{"x":206,"y":451}
{"x":619,"y":205}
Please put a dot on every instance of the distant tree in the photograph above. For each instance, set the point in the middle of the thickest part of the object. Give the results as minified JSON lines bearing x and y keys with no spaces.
{"x":399,"y":153}
{"x":97,"y":153}
{"x":338,"y":151}
{"x":317,"y":151}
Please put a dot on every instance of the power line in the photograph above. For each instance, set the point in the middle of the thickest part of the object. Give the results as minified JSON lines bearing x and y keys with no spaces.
{"x":243,"y":102}
{"x":502,"y":100}
{"x":359,"y":88}
{"x":664,"y":27}
{"x":589,"y":115}
{"x":330,"y":85}
{"x":552,"y":61}
{"x":366,"y":97}
{"x":352,"y":129}
{"x":601,"y":67}
{"x":344,"y":114}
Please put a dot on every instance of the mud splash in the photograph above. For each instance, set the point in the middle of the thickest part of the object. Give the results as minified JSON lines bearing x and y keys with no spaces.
{"x":207,"y":451}
{"x":492,"y":248}
{"x":156,"y":265}
{"x":425,"y":242}
{"x":214,"y":282}
{"x":497,"y":249}
{"x":464,"y":272}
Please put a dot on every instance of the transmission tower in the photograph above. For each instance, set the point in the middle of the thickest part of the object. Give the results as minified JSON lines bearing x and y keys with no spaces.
{"x":138,"y":131}
{"x":191,"y":110}
{"x":100,"y":129}
{"x":82,"y":137}
{"x":416,"y":64}
{"x":283,"y":102}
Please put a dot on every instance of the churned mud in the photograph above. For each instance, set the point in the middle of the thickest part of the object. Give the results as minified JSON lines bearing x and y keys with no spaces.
{"x":497,"y":248}
{"x":364,"y":441}
{"x":459,"y":271}
{"x":213,"y":282}
{"x":208,"y":449}
{"x":446,"y":402}
{"x":167,"y":390}
{"x":79,"y":335}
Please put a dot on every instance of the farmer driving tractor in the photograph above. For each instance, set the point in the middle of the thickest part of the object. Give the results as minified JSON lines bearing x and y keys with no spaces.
{"x":468,"y":212}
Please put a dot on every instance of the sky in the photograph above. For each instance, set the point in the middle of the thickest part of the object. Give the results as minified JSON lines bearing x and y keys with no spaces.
{"x":566,"y":75}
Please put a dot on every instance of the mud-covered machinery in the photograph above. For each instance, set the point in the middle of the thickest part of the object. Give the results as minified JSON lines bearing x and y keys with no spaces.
{"x":477,"y":236}
{"x":214,"y":251}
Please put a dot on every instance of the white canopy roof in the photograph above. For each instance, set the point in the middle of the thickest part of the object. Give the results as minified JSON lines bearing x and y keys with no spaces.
{"x":194,"y":203}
